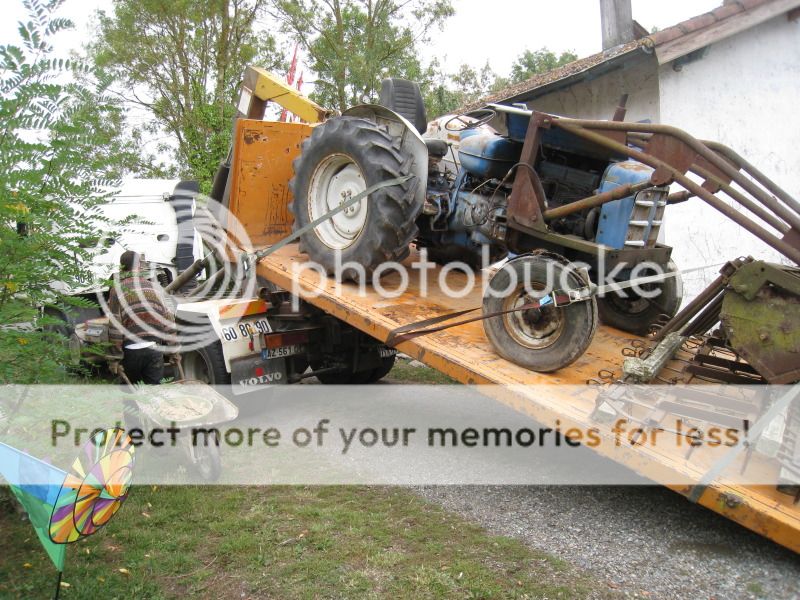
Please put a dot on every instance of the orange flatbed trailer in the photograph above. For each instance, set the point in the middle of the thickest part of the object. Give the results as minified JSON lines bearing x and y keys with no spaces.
{"x":261,"y":167}
{"x":465,"y":354}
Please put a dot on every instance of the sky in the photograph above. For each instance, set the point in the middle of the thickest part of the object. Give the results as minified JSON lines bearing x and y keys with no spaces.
{"x":474,"y":35}
{"x":505,"y":32}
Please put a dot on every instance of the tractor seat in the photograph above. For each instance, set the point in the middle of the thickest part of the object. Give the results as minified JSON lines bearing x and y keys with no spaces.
{"x":403,"y":97}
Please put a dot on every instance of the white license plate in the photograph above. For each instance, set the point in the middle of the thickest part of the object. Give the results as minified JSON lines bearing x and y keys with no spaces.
{"x":282,"y":351}
{"x":244,"y":330}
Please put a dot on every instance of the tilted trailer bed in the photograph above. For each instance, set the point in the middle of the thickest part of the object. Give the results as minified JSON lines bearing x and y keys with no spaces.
{"x":464,"y":353}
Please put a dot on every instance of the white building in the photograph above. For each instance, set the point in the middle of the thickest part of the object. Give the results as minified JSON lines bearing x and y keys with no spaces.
{"x":731,"y":75}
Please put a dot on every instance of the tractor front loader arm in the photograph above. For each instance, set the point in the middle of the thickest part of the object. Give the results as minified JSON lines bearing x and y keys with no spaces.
{"x":770,"y":214}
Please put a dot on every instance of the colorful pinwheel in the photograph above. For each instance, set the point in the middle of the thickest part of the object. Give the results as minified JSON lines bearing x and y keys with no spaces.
{"x":95,"y":488}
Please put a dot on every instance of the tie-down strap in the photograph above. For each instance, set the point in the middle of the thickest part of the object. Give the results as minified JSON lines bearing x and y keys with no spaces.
{"x":426,"y":326}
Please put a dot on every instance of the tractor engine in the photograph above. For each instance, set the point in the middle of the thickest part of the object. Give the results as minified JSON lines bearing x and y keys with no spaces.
{"x":465,"y":212}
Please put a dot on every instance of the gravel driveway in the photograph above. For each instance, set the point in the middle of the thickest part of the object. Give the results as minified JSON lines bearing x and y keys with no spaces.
{"x":643,"y":541}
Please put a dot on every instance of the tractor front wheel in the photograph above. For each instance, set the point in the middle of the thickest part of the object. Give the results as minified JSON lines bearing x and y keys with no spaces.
{"x":637,"y":313}
{"x":541,"y":339}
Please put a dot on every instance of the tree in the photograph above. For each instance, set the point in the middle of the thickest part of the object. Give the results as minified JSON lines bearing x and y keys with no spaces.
{"x":353,"y":44}
{"x":531,"y":63}
{"x":471,"y":84}
{"x":182,"y":61}
{"x":59,"y":154}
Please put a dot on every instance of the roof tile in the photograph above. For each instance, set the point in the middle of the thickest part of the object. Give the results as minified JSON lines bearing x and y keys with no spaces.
{"x":699,"y":22}
{"x":727,"y":10}
{"x":666,"y":35}
{"x":751,"y":4}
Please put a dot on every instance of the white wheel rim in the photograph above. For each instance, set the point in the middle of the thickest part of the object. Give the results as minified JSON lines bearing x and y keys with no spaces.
{"x":335,"y":180}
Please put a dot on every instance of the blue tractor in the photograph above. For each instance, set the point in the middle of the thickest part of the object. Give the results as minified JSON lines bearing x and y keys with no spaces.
{"x":568,"y":201}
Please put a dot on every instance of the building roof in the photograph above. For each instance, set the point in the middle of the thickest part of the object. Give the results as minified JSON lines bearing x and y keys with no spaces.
{"x":668,"y":45}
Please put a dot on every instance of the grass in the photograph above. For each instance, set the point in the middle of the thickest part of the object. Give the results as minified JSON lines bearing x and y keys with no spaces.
{"x":404,"y":372}
{"x":285,"y":542}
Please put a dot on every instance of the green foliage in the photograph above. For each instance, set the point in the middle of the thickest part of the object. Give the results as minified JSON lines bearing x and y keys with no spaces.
{"x":531,"y":63}
{"x":59,"y":155}
{"x":447,"y":93}
{"x":353,"y":44}
{"x":181,"y":61}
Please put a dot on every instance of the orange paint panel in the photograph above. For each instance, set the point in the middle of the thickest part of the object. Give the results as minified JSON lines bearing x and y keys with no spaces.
{"x":230,"y":311}
{"x":263,"y":152}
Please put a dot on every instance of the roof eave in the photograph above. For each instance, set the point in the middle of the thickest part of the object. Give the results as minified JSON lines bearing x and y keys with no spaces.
{"x":612,"y":64}
{"x":668,"y":51}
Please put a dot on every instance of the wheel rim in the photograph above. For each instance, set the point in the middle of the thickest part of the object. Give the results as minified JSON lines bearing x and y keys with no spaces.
{"x":195,"y":367}
{"x":335,"y":180}
{"x":535,"y":328}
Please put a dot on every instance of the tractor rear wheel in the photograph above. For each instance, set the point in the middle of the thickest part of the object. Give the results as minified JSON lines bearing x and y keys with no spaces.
{"x":343,"y":157}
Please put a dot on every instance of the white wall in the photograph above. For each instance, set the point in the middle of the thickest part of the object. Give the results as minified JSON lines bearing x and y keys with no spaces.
{"x":597,"y":99}
{"x":745,"y":93}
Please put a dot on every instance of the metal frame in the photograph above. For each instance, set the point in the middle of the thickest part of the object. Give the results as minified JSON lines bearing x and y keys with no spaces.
{"x":673,"y":154}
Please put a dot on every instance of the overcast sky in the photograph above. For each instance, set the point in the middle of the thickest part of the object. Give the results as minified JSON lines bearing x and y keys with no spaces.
{"x":481,"y":30}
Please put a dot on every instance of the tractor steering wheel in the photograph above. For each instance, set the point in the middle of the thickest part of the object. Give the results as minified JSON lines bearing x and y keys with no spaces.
{"x":487,"y":115}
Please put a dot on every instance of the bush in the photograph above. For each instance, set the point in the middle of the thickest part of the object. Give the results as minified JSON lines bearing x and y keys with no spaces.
{"x":60,"y":155}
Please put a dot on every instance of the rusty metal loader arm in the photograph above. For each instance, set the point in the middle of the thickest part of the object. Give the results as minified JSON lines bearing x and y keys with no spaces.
{"x":770,"y":214}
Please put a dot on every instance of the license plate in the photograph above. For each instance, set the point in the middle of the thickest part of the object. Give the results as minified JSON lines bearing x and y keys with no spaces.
{"x":245,"y":330}
{"x":282,"y":351}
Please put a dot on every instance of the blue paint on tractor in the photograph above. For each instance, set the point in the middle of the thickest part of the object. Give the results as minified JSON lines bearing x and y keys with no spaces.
{"x":488,"y":155}
{"x":615,"y":216}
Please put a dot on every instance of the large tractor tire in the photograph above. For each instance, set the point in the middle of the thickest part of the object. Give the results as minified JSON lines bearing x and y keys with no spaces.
{"x":630,"y":312}
{"x":544,"y":339}
{"x":343,"y":157}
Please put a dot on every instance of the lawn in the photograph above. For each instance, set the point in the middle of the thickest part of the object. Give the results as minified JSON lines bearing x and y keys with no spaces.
{"x":285,"y":542}
{"x":408,"y":371}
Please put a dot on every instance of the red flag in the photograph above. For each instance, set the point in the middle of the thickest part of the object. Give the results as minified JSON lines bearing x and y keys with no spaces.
{"x":290,"y":80}
{"x":292,"y":67}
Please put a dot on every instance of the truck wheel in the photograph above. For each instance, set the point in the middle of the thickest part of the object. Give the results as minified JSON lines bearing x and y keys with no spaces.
{"x":543,"y":339}
{"x":206,"y":364}
{"x":635,"y":314}
{"x":343,"y":157}
{"x":380,"y":372}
